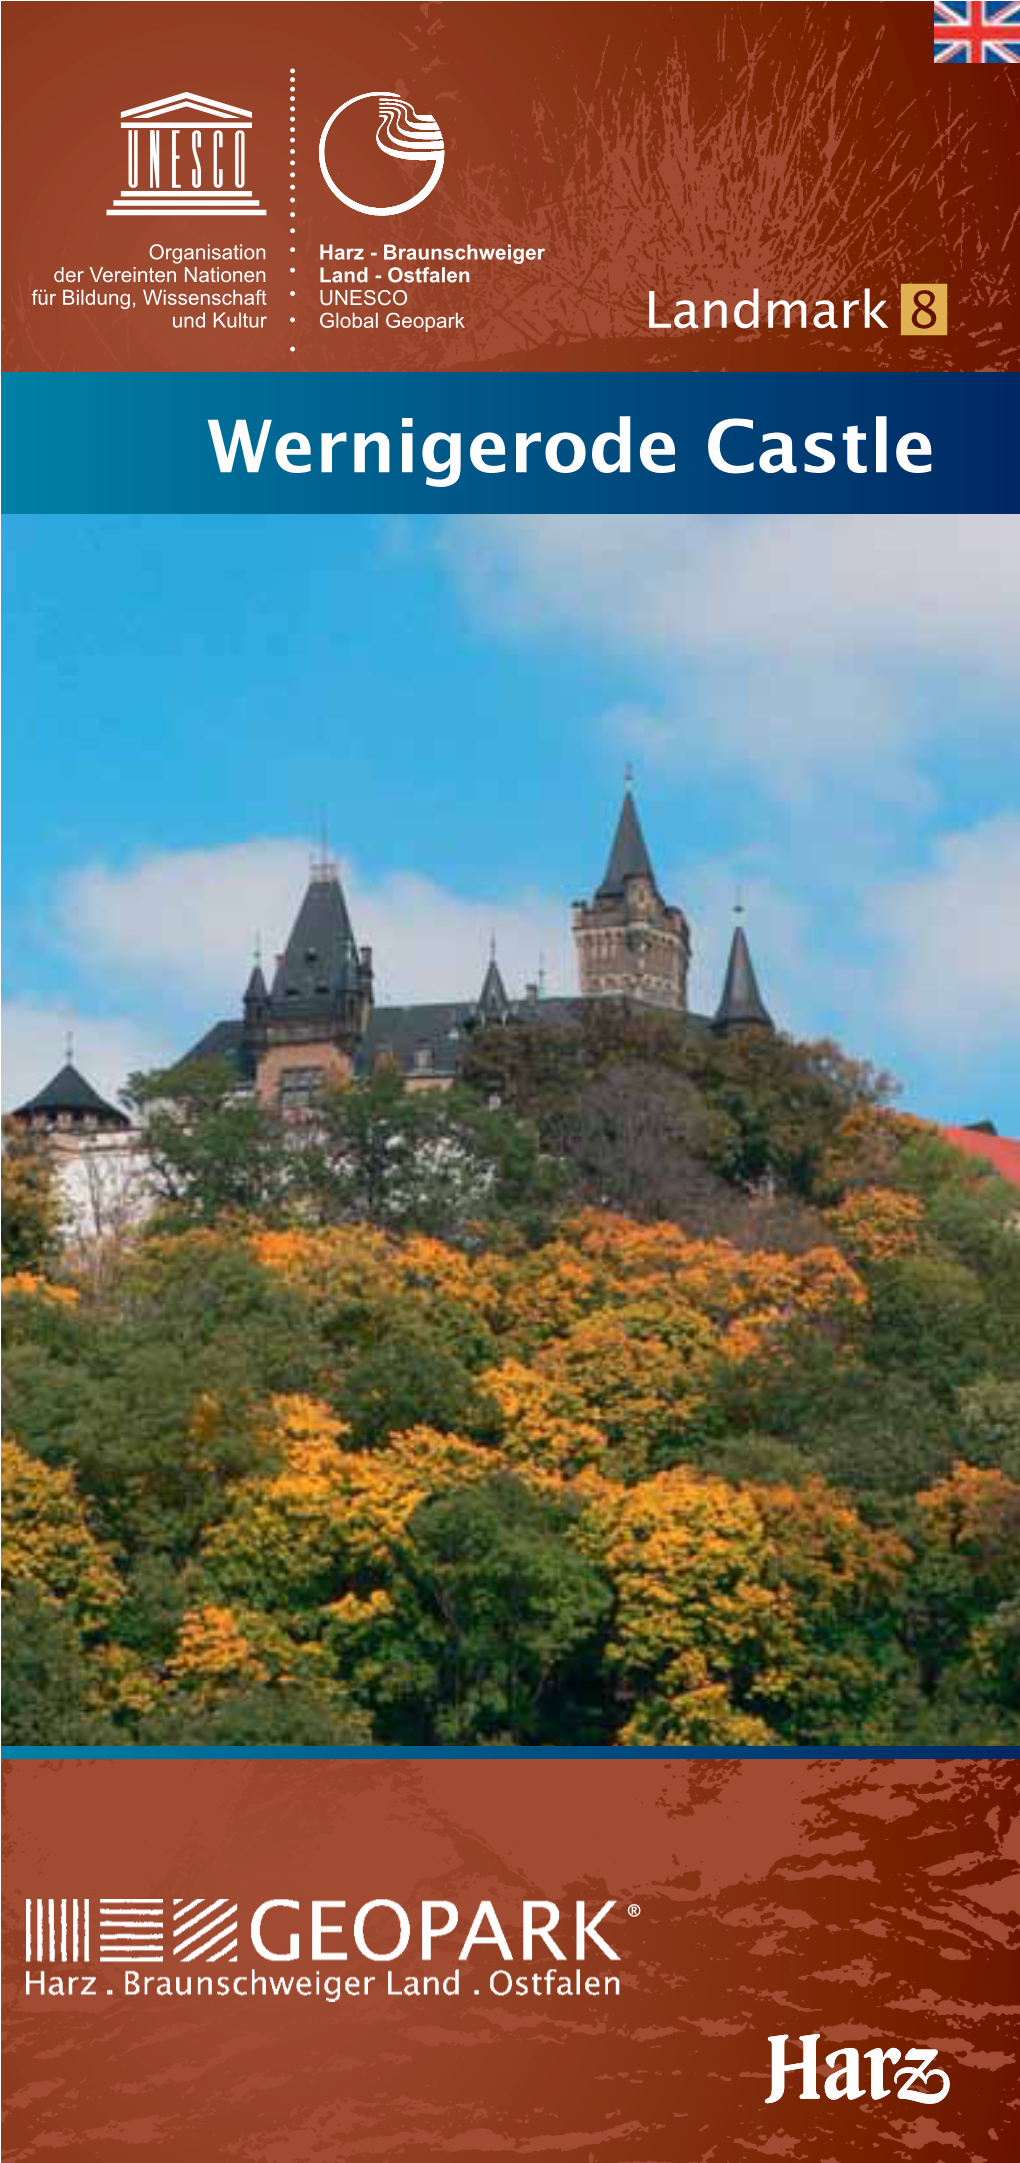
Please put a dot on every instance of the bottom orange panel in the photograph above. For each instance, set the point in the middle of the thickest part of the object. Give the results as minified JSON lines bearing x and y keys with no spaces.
{"x":301,"y":1961}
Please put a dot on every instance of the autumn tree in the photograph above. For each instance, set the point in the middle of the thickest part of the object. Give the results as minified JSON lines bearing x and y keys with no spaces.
{"x":31,"y":1204}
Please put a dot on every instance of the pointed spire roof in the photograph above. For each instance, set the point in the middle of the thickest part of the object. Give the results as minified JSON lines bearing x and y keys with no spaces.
{"x":628,"y":857}
{"x":741,"y":1003}
{"x":492,"y":999}
{"x":320,"y":958}
{"x":256,"y":985}
{"x":70,"y":1092}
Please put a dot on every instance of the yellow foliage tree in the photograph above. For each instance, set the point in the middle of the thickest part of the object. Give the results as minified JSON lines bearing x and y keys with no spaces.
{"x":48,"y":1543}
{"x":735,"y":1606}
{"x":876,"y":1224}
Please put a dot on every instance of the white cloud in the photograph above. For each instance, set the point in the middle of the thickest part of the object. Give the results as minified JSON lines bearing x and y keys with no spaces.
{"x":430,"y":943}
{"x":804,"y":650}
{"x":917,"y":585}
{"x":188,"y":918}
{"x":185,"y":920}
{"x":950,"y":957}
{"x":106,"y":1051}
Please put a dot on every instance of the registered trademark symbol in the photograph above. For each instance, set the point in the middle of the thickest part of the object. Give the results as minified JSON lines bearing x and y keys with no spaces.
{"x":633,"y":1909}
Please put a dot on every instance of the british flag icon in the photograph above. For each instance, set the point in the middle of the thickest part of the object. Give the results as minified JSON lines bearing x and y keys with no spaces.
{"x":969,"y":30}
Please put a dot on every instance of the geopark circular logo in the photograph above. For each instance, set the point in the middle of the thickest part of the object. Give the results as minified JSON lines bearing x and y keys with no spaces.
{"x":360,"y":141}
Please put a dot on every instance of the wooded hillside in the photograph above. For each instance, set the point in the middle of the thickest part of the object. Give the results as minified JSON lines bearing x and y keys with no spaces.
{"x":675,"y":1398}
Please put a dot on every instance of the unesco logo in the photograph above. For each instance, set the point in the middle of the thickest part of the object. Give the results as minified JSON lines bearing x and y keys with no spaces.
{"x":186,"y":156}
{"x":366,"y":147}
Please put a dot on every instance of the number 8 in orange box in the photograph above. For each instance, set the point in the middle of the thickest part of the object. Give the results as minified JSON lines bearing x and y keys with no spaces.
{"x":924,"y":310}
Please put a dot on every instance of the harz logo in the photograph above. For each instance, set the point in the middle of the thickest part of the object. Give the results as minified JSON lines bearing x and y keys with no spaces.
{"x":186,"y":156}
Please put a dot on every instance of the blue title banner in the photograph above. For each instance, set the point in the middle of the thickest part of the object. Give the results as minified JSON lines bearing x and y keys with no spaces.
{"x":581,"y":443}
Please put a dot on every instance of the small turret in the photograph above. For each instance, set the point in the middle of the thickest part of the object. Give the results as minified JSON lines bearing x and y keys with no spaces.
{"x":493,"y":1003}
{"x":741,"y":1005}
{"x":256,"y":997}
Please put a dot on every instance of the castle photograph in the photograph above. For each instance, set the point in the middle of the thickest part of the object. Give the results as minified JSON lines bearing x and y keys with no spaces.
{"x":315,"y":1020}
{"x":539,"y":1266}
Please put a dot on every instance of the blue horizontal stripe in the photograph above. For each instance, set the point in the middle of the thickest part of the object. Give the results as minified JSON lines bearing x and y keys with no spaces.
{"x":138,"y":443}
{"x":818,"y":1752}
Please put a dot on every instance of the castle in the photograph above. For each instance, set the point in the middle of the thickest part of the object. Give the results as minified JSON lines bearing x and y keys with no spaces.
{"x":317,"y":1020}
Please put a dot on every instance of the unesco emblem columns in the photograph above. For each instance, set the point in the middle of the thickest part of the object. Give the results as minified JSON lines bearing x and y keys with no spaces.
{"x":186,"y":156}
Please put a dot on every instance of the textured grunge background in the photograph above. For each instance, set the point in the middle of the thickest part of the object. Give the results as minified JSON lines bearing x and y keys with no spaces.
{"x":874,"y":1901}
{"x":700,"y":150}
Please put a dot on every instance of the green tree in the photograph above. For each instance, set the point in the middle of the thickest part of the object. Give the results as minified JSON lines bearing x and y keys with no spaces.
{"x":214,"y":1149}
{"x":757,"y":1105}
{"x":157,"y":1398}
{"x":965,"y":1532}
{"x":408,"y":1375}
{"x":891,"y":1437}
{"x":432,"y":1161}
{"x":261,"y":1715}
{"x":929,"y":1318}
{"x":503,"y":1621}
{"x":46,"y":1700}
{"x":988,"y":1424}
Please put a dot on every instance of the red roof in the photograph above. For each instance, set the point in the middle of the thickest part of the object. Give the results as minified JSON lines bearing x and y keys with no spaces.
{"x":996,"y":1150}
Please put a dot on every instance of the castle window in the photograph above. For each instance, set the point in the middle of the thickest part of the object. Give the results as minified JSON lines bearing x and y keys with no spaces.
{"x":299,"y":1085}
{"x":422,"y":1058}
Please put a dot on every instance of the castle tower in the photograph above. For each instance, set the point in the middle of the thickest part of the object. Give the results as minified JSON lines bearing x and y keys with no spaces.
{"x":70,"y":1109}
{"x":741,"y":1005}
{"x":306,"y":1028}
{"x":631,"y":944}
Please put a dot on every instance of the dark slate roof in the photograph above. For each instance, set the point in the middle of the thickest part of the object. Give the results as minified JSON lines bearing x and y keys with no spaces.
{"x":70,"y":1092}
{"x":492,"y":999}
{"x":223,"y":1041}
{"x":741,"y":1001}
{"x":320,"y":958}
{"x":628,"y":857}
{"x":401,"y":1032}
{"x":256,"y":985}
{"x":440,"y":1028}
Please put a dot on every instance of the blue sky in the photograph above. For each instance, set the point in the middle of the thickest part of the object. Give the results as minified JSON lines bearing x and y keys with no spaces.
{"x":820,"y":712}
